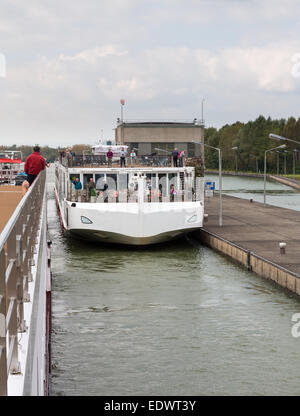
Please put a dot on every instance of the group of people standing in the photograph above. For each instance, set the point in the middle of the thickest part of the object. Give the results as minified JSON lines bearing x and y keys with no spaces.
{"x":177,"y":157}
{"x":91,"y":187}
{"x":110,"y":155}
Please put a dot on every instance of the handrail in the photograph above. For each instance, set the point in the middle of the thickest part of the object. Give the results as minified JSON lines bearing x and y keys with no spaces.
{"x":17,"y":247}
{"x":9,"y":225}
{"x":154,"y":160}
{"x":161,"y":121}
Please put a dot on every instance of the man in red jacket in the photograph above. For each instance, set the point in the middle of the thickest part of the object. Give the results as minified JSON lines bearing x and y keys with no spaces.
{"x":34,"y":164}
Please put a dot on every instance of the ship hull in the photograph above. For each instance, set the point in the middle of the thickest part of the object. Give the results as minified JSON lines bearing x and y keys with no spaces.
{"x":116,"y":238}
{"x":129,"y":224}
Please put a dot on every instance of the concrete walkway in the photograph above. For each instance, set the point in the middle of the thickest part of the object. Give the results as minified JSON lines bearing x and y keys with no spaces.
{"x":257,"y":228}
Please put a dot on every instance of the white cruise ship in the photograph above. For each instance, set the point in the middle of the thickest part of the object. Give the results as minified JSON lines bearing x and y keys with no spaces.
{"x":146,"y":202}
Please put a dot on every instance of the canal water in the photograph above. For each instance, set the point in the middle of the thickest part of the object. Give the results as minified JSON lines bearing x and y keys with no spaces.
{"x":174,"y":319}
{"x":276,"y":194}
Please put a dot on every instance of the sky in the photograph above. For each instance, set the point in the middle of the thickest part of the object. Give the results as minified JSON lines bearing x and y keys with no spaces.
{"x":65,"y":65}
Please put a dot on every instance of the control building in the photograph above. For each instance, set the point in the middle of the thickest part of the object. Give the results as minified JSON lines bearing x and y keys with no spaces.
{"x":158,"y":137}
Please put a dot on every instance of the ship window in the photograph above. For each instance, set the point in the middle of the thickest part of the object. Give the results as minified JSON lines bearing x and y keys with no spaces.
{"x":191,"y":150}
{"x":111,"y":179}
{"x":123,"y":181}
{"x":162,"y":183}
{"x":99,"y":180}
{"x":173,"y":179}
{"x":86,"y":178}
{"x":86,"y":220}
{"x":152,"y":177}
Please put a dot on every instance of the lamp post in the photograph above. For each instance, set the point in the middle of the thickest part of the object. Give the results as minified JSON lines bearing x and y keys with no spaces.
{"x":277,"y":137}
{"x":277,"y":161}
{"x":163,"y":150}
{"x":220,"y":179}
{"x":294,"y":161}
{"x":265,"y":167}
{"x":236,"y":149}
{"x":284,"y":163}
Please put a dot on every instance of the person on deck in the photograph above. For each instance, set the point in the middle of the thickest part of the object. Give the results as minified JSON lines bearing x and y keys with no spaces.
{"x":175,"y":155}
{"x":34,"y":164}
{"x":172,"y":193}
{"x":181,"y":158}
{"x":122,"y":157}
{"x":109,"y":156}
{"x":78,"y":186}
{"x":92,"y":188}
{"x":132,"y":157}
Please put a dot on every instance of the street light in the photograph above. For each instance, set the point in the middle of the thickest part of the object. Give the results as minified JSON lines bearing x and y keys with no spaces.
{"x":277,"y":137}
{"x":236,"y":149}
{"x":284,"y":165}
{"x":278,"y":153}
{"x":265,"y":167}
{"x":162,"y":150}
{"x":294,"y":160}
{"x":220,"y":177}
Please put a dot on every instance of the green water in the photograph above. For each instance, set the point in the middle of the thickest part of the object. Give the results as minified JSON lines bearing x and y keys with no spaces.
{"x":174,"y":319}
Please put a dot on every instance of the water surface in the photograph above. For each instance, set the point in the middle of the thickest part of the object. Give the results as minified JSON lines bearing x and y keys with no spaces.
{"x":173,"y":319}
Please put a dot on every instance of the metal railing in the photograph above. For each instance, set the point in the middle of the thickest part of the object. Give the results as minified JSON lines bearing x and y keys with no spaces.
{"x":154,"y":160}
{"x":160,"y":121}
{"x":17,"y":249}
{"x":177,"y":190}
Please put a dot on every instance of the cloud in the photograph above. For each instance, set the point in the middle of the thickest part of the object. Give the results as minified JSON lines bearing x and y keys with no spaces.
{"x":266,"y":68}
{"x":77,"y":59}
{"x":80,"y":92}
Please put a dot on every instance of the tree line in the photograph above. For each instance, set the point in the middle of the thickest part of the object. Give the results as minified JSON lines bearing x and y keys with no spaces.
{"x":250,"y":140}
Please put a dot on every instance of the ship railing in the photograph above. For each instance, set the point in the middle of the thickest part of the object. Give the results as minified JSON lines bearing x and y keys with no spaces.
{"x":185,"y":192}
{"x":153,"y":160}
{"x":93,"y":161}
{"x":17,"y":249}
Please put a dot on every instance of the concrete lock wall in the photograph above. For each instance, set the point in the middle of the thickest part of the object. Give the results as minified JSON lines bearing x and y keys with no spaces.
{"x":147,"y":134}
{"x":158,"y":134}
{"x":253,"y":262}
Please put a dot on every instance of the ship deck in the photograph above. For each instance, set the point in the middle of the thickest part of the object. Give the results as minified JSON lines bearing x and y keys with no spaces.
{"x":10,"y":196}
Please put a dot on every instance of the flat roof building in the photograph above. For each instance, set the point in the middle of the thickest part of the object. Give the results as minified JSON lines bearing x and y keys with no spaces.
{"x":149,"y":137}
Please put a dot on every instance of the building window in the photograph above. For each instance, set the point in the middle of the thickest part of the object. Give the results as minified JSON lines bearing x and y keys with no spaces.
{"x":191,"y":150}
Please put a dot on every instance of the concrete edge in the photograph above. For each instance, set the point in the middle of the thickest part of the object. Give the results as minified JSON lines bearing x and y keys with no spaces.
{"x":253,"y":262}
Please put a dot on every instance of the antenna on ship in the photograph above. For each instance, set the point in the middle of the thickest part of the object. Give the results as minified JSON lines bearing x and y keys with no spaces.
{"x":122,"y":101}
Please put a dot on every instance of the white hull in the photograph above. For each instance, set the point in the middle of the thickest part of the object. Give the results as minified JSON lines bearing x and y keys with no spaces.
{"x":132,"y":224}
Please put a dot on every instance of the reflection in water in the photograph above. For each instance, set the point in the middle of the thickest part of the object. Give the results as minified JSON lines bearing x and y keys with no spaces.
{"x":175,"y":319}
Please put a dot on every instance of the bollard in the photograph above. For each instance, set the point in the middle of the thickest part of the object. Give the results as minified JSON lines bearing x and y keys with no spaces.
{"x":282,"y":248}
{"x":205,"y":217}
